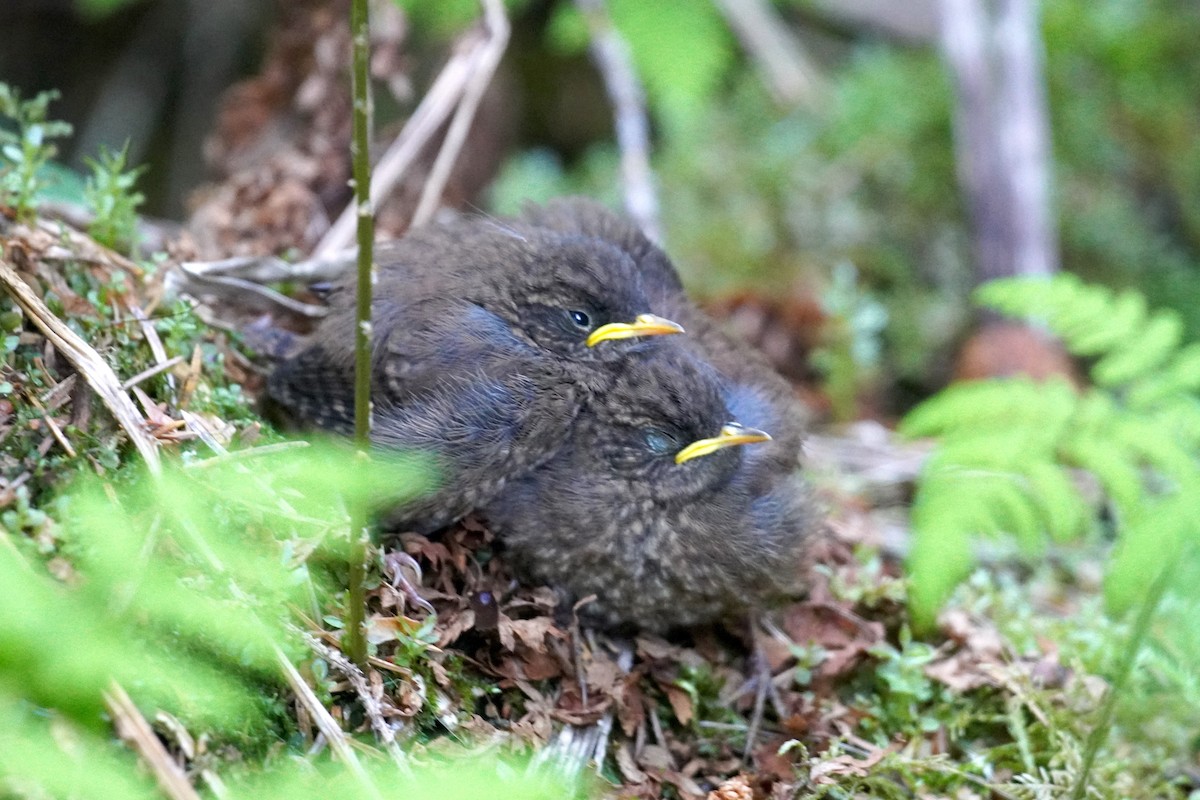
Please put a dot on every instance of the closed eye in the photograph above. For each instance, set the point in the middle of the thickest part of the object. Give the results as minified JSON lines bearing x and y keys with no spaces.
{"x":660,"y":442}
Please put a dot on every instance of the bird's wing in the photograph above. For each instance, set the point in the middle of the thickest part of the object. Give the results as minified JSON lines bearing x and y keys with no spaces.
{"x":482,"y":427}
{"x":315,"y":387}
{"x":416,"y":344}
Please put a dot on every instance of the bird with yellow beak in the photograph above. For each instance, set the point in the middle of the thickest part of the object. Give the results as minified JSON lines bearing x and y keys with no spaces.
{"x":489,"y":336}
{"x":656,"y":508}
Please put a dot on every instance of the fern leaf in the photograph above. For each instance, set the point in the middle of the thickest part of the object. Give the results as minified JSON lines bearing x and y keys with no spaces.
{"x":1186,"y":367}
{"x":1153,"y":345}
{"x":1080,"y":312}
{"x":1181,"y":417}
{"x":1150,"y":390}
{"x":1157,"y":448}
{"x":1180,"y":377}
{"x":1111,"y":465}
{"x":1012,"y":511}
{"x":1062,"y":506}
{"x":983,"y":406}
{"x":1092,"y":321}
{"x":1118,"y":322}
{"x":940,"y":557}
{"x":1027,"y":297}
{"x":952,"y":506}
{"x":1002,"y":465}
{"x":1151,"y":539}
{"x":985,"y":454}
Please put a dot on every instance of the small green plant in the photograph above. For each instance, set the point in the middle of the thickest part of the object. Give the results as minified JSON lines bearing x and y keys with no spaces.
{"x":180,"y":589}
{"x":907,"y":694}
{"x":850,"y":354}
{"x":111,"y":195}
{"x":1008,"y":449}
{"x":26,"y":151}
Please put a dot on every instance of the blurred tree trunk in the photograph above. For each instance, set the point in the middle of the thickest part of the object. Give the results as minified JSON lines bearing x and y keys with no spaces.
{"x":1002,"y":136}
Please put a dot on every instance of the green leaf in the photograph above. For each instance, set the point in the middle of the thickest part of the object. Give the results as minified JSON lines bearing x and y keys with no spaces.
{"x":1061,"y":505}
{"x":567,"y":32}
{"x":682,"y":49}
{"x":1150,"y":539}
{"x":941,"y":556}
{"x":1125,"y":316}
{"x":1006,"y":446}
{"x":1152,"y":346}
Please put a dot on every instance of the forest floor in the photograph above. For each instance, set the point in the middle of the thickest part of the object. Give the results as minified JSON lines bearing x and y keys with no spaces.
{"x":994,"y":703}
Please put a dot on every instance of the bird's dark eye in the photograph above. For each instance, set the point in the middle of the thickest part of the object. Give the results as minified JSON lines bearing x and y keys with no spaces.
{"x":581,"y":319}
{"x":660,"y":442}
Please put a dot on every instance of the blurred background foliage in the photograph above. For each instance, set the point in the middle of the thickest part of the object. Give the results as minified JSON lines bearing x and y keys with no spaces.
{"x":755,"y":196}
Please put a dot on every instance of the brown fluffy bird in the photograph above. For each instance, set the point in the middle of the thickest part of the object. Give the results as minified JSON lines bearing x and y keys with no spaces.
{"x":489,"y":336}
{"x":753,"y":390}
{"x":656,"y":508}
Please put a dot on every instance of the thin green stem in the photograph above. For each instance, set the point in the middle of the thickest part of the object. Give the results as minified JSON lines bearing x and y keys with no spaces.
{"x":1137,"y":637}
{"x":356,"y":645}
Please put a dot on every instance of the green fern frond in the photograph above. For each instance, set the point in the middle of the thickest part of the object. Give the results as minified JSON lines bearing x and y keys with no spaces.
{"x":965,"y":408}
{"x":1092,"y":321}
{"x":1154,"y":536}
{"x":1007,"y":448}
{"x":1119,"y":476}
{"x":1063,"y":509}
{"x":1144,"y":352}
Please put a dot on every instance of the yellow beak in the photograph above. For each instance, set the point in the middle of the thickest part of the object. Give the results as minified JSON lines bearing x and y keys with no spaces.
{"x":644,"y":325}
{"x":731,"y":434}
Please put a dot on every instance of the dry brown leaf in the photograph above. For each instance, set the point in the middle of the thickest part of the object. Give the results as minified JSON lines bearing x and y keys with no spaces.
{"x":535,"y":665}
{"x":382,"y":629}
{"x":655,"y":757}
{"x":418,"y":546}
{"x":604,"y":676}
{"x":685,"y":785}
{"x":681,"y":704}
{"x":982,"y":639}
{"x":631,"y":705}
{"x":845,"y":637}
{"x":655,"y":648}
{"x":453,"y":625}
{"x":960,"y":672}
{"x":628,"y":767}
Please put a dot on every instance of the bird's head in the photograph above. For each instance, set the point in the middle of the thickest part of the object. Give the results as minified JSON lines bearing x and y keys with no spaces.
{"x":581,"y":299}
{"x":664,"y":428}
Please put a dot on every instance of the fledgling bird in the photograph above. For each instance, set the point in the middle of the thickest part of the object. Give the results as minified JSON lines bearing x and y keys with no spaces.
{"x":760,"y":397}
{"x":657,"y":506}
{"x":488,"y":336}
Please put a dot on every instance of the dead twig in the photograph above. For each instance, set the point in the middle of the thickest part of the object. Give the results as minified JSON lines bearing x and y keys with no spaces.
{"x":431,"y":114}
{"x":201,"y":278}
{"x":326,"y":724}
{"x":88,"y":362}
{"x":483,"y":67}
{"x":135,"y":731}
{"x":260,"y":269}
{"x":151,"y":336}
{"x":372,"y":705}
{"x":786,"y":68}
{"x":150,"y":372}
{"x":611,"y":56}
{"x":244,"y":455}
{"x":53,"y":426}
{"x":457,"y":91}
